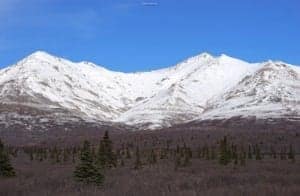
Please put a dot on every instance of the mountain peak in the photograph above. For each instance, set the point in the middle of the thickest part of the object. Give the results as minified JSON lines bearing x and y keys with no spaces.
{"x":204,"y":82}
{"x":225,"y":56}
{"x":208,"y":57}
{"x":205,"y":55}
{"x":201,"y":57}
{"x":40,"y":54}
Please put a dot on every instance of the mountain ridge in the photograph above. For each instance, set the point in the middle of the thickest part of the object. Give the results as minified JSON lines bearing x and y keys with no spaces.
{"x":152,"y":99}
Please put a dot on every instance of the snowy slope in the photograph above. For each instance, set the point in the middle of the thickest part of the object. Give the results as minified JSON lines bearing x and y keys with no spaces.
{"x":200,"y":87}
{"x":84,"y":88}
{"x":190,"y":85}
{"x":273,"y":91}
{"x":43,"y":80}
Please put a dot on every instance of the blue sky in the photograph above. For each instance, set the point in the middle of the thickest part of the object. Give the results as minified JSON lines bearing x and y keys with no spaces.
{"x":126,"y":35}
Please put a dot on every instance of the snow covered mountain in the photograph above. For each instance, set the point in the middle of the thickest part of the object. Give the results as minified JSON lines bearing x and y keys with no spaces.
{"x":200,"y":87}
{"x":273,"y":91}
{"x":188,"y":87}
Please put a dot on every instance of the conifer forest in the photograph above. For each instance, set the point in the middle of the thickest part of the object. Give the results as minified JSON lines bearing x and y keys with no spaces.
{"x":169,"y":162}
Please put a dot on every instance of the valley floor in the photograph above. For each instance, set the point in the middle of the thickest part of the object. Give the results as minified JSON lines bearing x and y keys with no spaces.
{"x":201,"y":176}
{"x":266,"y":177}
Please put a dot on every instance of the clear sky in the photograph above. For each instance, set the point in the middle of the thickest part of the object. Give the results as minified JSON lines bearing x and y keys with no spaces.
{"x":135,"y":35}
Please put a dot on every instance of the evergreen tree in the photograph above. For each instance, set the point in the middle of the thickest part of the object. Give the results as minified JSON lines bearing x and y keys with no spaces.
{"x":234,"y":155}
{"x":291,"y":154}
{"x":40,"y":155}
{"x":6,"y":169}
{"x":242,"y":158}
{"x":213,"y":153}
{"x":199,"y":152}
{"x":224,"y":157}
{"x":152,"y":157}
{"x":177,"y":162}
{"x":52,"y":155}
{"x":12,"y":151}
{"x":177,"y":149}
{"x":189,"y":152}
{"x":186,"y":160}
{"x":187,"y":156}
{"x":106,"y":158}
{"x":74,"y":152}
{"x":137,"y":162}
{"x":122,"y":162}
{"x":249,"y":152}
{"x":37,"y":153}
{"x":283,"y":154}
{"x":257,"y":153}
{"x":182,"y":150}
{"x":57,"y":155}
{"x":45,"y":154}
{"x":207,"y":157}
{"x":273,"y":153}
{"x":128,"y":155}
{"x":65,"y":155}
{"x":86,"y":171}
{"x":235,"y":160}
{"x":163,"y":154}
{"x":94,"y":151}
{"x":31,"y":155}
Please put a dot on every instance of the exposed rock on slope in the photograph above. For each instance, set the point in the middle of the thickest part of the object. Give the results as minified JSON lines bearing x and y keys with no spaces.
{"x":52,"y":89}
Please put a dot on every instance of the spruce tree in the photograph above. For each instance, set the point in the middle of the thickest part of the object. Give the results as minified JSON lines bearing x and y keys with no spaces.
{"x":224,"y":157}
{"x":163,"y":154}
{"x":122,"y":163}
{"x":188,"y":154}
{"x":106,"y":158}
{"x":65,"y":155}
{"x":152,"y":157}
{"x":234,"y":155}
{"x":235,"y":158}
{"x":40,"y":155}
{"x":57,"y":155}
{"x":291,"y":154}
{"x":273,"y":153}
{"x":128,"y":155}
{"x":186,"y":160}
{"x":177,"y":149}
{"x":199,"y":152}
{"x":242,"y":158}
{"x":207,"y":157}
{"x":283,"y":154}
{"x":249,"y":152}
{"x":74,"y":152}
{"x":257,"y":153}
{"x":31,"y":155}
{"x":137,"y":162}
{"x":45,"y":154}
{"x":177,"y":162}
{"x":86,"y":170}
{"x":6,"y":169}
{"x":213,"y":153}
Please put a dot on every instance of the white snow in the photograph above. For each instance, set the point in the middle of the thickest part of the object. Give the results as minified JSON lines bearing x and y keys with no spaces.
{"x":200,"y":87}
{"x":272,"y":91}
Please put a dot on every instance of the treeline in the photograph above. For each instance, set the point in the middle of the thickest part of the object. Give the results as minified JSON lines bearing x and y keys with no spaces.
{"x":93,"y":162}
{"x":6,"y":169}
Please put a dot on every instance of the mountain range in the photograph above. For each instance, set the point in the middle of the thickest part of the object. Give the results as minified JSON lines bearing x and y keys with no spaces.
{"x":43,"y":89}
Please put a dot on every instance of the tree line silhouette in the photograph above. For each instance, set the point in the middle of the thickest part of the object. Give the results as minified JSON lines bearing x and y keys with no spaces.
{"x":93,"y":162}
